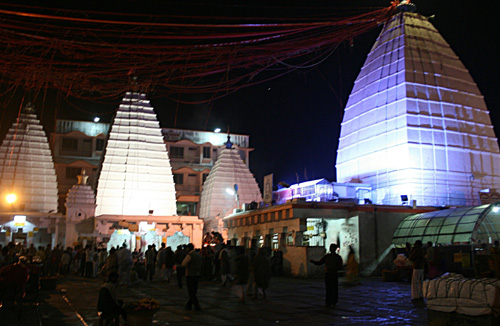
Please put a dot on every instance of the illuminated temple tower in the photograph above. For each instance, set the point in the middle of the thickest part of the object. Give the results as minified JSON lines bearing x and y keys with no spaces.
{"x":415,"y":123}
{"x":136,"y":201}
{"x":136,"y":176}
{"x":229,"y":185}
{"x":27,"y":167}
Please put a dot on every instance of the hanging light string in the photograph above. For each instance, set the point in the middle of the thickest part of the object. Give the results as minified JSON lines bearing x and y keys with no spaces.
{"x":92,"y":55}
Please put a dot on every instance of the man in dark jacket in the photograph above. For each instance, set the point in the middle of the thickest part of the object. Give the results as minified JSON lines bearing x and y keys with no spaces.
{"x":417,"y":256}
{"x":333,"y":263}
{"x":192,"y":263}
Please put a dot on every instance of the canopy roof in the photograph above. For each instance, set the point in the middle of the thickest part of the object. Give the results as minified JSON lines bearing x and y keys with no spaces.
{"x":451,"y":226}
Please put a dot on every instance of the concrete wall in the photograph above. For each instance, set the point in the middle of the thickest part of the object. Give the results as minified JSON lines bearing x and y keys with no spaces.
{"x":376,"y":230}
{"x":296,"y":261}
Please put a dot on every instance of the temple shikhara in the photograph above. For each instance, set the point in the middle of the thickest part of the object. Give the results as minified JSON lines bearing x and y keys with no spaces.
{"x":415,"y":124}
{"x":136,"y":185}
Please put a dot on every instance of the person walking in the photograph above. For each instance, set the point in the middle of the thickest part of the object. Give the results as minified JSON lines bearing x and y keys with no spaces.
{"x":150,"y":263}
{"x":192,"y":263}
{"x":261,"y":270}
{"x":161,"y":259}
{"x":417,"y":256}
{"x":225,"y":265}
{"x":333,"y":263}
{"x":125,"y":262}
{"x":251,"y":253}
{"x":241,"y":271}
{"x":352,"y":268}
{"x":179,"y":255}
{"x":169,"y":263}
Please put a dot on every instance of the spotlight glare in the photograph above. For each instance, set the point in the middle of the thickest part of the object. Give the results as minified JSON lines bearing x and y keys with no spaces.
{"x":11,"y":198}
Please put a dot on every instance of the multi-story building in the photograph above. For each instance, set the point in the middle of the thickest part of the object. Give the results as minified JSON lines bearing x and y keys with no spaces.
{"x":80,"y":145}
{"x":77,"y":145}
{"x":192,"y":156}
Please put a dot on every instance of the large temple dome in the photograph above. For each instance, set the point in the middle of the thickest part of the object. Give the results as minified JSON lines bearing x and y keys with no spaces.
{"x":415,"y":123}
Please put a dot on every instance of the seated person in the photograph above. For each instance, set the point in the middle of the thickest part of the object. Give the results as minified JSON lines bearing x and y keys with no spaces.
{"x":108,"y":303}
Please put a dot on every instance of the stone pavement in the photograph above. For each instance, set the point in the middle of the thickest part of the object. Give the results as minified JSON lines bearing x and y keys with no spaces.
{"x":290,"y":301}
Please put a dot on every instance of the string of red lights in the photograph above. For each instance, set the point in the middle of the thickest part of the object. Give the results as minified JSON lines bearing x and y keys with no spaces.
{"x":95,"y":55}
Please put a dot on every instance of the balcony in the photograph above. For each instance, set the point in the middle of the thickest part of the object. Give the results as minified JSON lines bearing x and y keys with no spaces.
{"x":188,"y":190}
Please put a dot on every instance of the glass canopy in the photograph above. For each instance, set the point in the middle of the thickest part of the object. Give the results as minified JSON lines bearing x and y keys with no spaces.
{"x":463,"y":225}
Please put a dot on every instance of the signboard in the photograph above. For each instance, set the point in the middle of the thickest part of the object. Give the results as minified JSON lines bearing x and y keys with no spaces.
{"x":268,"y":188}
{"x":489,"y":197}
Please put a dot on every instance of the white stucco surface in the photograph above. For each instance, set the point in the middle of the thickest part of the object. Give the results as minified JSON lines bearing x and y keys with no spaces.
{"x":136,"y":175}
{"x":415,"y":123}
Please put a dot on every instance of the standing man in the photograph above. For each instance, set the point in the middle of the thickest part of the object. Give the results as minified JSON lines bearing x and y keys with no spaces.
{"x":179,"y":256}
{"x":333,"y":263}
{"x":192,"y":263}
{"x":417,"y":256}
{"x":161,"y":260}
{"x":150,"y":256}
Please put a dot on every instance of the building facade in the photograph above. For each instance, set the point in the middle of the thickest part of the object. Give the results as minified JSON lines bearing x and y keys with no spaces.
{"x":303,"y":230}
{"x":77,"y":145}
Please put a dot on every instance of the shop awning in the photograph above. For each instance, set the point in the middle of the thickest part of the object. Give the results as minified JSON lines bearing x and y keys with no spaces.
{"x":463,"y":225}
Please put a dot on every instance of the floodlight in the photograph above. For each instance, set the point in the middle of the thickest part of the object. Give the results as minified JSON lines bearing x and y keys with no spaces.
{"x":11,"y":198}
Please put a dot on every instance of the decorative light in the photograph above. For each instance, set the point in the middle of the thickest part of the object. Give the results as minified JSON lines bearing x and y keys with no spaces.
{"x":217,"y":130}
{"x":19,"y":220}
{"x":97,"y":119}
{"x":11,"y":198}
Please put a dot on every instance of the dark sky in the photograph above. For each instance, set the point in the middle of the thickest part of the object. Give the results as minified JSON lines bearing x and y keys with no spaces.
{"x":293,"y":121}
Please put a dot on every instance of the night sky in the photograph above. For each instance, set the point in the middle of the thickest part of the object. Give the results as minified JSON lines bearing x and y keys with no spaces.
{"x":294,"y":121}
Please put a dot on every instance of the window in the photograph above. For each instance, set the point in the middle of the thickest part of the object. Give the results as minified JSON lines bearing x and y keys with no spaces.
{"x":206,"y":152}
{"x":72,"y":172}
{"x":69,"y":144}
{"x":176,"y":152}
{"x":178,"y":178}
{"x":99,"y":144}
{"x":205,"y":176}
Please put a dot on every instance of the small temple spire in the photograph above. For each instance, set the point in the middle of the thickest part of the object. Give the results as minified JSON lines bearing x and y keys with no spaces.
{"x":228,"y":144}
{"x":82,"y":178}
{"x":406,"y":6}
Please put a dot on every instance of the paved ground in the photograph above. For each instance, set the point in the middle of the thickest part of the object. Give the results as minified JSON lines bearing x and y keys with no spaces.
{"x":289,"y":302}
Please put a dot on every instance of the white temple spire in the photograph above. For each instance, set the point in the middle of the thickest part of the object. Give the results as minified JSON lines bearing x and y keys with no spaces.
{"x":415,"y":123}
{"x":229,"y":185}
{"x":27,"y":167}
{"x":136,"y":175}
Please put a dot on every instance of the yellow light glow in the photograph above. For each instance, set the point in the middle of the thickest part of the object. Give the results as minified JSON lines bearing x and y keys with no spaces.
{"x":11,"y":198}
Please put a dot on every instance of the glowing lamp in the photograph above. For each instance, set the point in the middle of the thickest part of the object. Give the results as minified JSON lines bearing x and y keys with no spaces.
{"x":97,"y":119}
{"x":230,"y":191}
{"x":19,"y":220}
{"x":11,"y":198}
{"x":496,"y":209}
{"x":217,"y":130}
